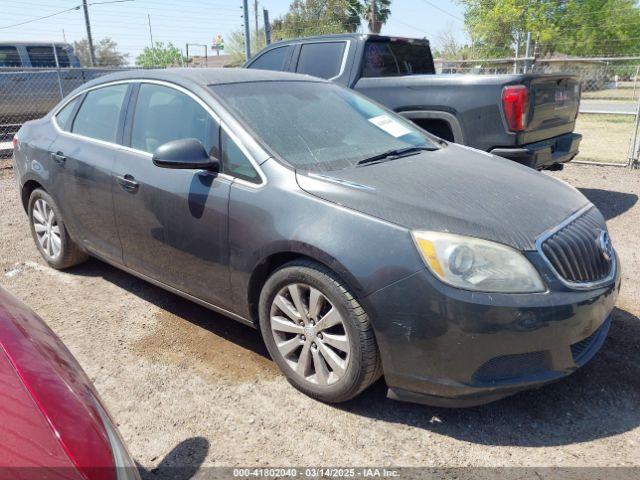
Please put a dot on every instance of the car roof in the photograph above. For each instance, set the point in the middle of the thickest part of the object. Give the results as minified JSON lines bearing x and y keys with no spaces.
{"x":204,"y":77}
{"x":344,"y":36}
{"x":22,"y":43}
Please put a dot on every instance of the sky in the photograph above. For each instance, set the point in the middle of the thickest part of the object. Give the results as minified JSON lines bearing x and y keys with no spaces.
{"x":192,"y":21}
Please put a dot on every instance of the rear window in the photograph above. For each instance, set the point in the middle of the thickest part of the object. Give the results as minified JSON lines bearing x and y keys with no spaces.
{"x":99,"y":113}
{"x":64,"y":116}
{"x":397,"y":57}
{"x":321,"y":59}
{"x":43,"y":56}
{"x":271,"y":60}
{"x":9,"y":57}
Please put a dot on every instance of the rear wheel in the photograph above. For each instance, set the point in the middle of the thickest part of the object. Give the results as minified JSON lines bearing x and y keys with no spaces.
{"x":317,"y":332}
{"x":50,"y":234}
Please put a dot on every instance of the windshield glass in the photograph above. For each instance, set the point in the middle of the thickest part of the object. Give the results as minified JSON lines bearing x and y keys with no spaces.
{"x":319,"y":126}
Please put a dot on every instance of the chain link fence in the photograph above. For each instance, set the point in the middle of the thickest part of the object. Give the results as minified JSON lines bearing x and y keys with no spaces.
{"x":609,"y":119}
{"x":29,"y":93}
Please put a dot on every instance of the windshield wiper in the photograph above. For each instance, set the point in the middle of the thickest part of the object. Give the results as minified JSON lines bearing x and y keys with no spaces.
{"x":397,"y":153}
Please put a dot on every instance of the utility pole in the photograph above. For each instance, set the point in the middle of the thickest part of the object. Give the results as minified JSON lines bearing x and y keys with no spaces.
{"x":267,"y":27}
{"x":526,"y":53}
{"x":247,"y":30}
{"x":92,"y":53}
{"x":255,"y":14}
{"x":153,"y":51}
{"x":515,"y":60}
{"x":374,"y":14}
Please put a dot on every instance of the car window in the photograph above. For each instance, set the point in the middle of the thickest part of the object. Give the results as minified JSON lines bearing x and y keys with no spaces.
{"x":43,"y":56}
{"x":99,"y":113}
{"x":63,"y":57}
{"x":235,"y":163}
{"x":9,"y":57}
{"x":319,"y":126}
{"x":397,"y":57}
{"x":272,"y":60}
{"x":321,"y":59}
{"x":164,"y":114}
{"x":64,"y":116}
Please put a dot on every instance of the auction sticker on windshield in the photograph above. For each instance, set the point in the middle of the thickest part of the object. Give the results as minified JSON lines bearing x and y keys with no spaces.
{"x":390,"y":126}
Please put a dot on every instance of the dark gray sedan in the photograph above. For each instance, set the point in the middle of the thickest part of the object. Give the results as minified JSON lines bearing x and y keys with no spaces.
{"x":360,"y":245}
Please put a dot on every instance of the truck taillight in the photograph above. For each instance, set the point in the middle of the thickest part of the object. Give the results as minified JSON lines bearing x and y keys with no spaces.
{"x":15,"y":142}
{"x":515,"y":103}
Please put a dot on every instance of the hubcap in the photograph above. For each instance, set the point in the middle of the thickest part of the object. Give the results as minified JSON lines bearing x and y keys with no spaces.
{"x":310,"y":334}
{"x":47,"y":228}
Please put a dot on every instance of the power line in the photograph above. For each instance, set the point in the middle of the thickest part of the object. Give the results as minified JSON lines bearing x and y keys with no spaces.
{"x":443,"y":10}
{"x":77,"y":7}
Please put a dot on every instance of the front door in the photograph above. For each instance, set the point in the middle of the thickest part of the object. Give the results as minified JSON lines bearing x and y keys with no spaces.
{"x":172,"y":223}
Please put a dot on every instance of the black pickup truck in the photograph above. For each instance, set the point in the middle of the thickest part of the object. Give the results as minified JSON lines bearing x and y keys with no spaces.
{"x":528,"y":118}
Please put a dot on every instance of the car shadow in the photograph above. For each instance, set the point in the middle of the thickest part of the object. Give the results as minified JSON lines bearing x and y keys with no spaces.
{"x":220,"y":325}
{"x":610,"y":203}
{"x":181,"y":463}
{"x":600,"y":400}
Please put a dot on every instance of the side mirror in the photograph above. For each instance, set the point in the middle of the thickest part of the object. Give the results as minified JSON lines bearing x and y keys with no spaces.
{"x":187,"y":153}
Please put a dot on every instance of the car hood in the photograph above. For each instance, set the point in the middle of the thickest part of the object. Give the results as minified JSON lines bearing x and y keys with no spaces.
{"x":455,"y":189}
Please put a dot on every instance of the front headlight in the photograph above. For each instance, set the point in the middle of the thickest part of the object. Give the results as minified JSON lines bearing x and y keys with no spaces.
{"x":474,"y":264}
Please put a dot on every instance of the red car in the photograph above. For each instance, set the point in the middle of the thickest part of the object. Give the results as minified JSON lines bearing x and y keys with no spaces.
{"x":52,"y":422}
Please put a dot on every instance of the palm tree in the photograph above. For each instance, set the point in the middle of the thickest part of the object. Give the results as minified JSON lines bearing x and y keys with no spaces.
{"x":376,"y":13}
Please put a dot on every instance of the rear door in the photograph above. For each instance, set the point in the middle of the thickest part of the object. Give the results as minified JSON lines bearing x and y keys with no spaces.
{"x":172,"y":223}
{"x":82,"y":158}
{"x":322,"y":59}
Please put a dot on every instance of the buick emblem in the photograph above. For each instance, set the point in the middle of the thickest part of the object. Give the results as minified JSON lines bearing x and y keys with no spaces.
{"x":606,"y":247}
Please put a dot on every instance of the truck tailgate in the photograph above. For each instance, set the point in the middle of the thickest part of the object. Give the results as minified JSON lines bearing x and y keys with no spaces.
{"x":555,"y":100}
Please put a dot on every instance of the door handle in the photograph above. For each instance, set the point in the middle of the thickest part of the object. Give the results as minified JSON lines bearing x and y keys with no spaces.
{"x":59,"y":158}
{"x":128,"y":183}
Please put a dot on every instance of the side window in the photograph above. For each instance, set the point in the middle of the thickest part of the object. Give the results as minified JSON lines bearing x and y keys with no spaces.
{"x":64,"y":116}
{"x":321,"y":59}
{"x":164,"y":114}
{"x":9,"y":57}
{"x":99,"y":113}
{"x":63,"y":57}
{"x":272,"y":60}
{"x":41,"y":56}
{"x":235,"y":163}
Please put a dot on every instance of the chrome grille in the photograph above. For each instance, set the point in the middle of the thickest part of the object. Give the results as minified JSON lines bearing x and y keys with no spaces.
{"x":574,"y":250}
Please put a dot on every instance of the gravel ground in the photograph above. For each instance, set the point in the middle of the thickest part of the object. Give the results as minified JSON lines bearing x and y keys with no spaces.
{"x":189,"y":387}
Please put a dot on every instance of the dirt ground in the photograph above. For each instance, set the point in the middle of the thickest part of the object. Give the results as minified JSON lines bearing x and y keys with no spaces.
{"x":189,"y":387}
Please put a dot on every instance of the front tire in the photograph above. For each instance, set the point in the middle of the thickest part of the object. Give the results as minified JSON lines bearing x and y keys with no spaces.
{"x":50,"y":234}
{"x":317,"y":332}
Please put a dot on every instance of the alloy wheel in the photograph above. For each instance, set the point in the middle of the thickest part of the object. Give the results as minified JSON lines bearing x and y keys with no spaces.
{"x":310,"y":334}
{"x":46,"y":228}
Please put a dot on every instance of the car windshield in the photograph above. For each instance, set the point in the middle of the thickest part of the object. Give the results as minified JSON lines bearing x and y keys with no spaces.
{"x":319,"y":126}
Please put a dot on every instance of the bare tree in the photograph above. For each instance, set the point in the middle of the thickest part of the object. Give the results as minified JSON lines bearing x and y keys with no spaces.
{"x":106,"y":50}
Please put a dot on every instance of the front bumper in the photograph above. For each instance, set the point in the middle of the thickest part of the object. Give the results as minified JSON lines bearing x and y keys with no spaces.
{"x":544,"y":154}
{"x":448,"y":347}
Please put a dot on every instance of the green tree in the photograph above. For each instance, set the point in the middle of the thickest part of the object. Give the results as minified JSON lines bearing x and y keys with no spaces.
{"x":319,"y":17}
{"x":234,"y":46}
{"x":572,"y":27}
{"x":375,"y":19}
{"x":106,"y":51}
{"x":160,"y":56}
